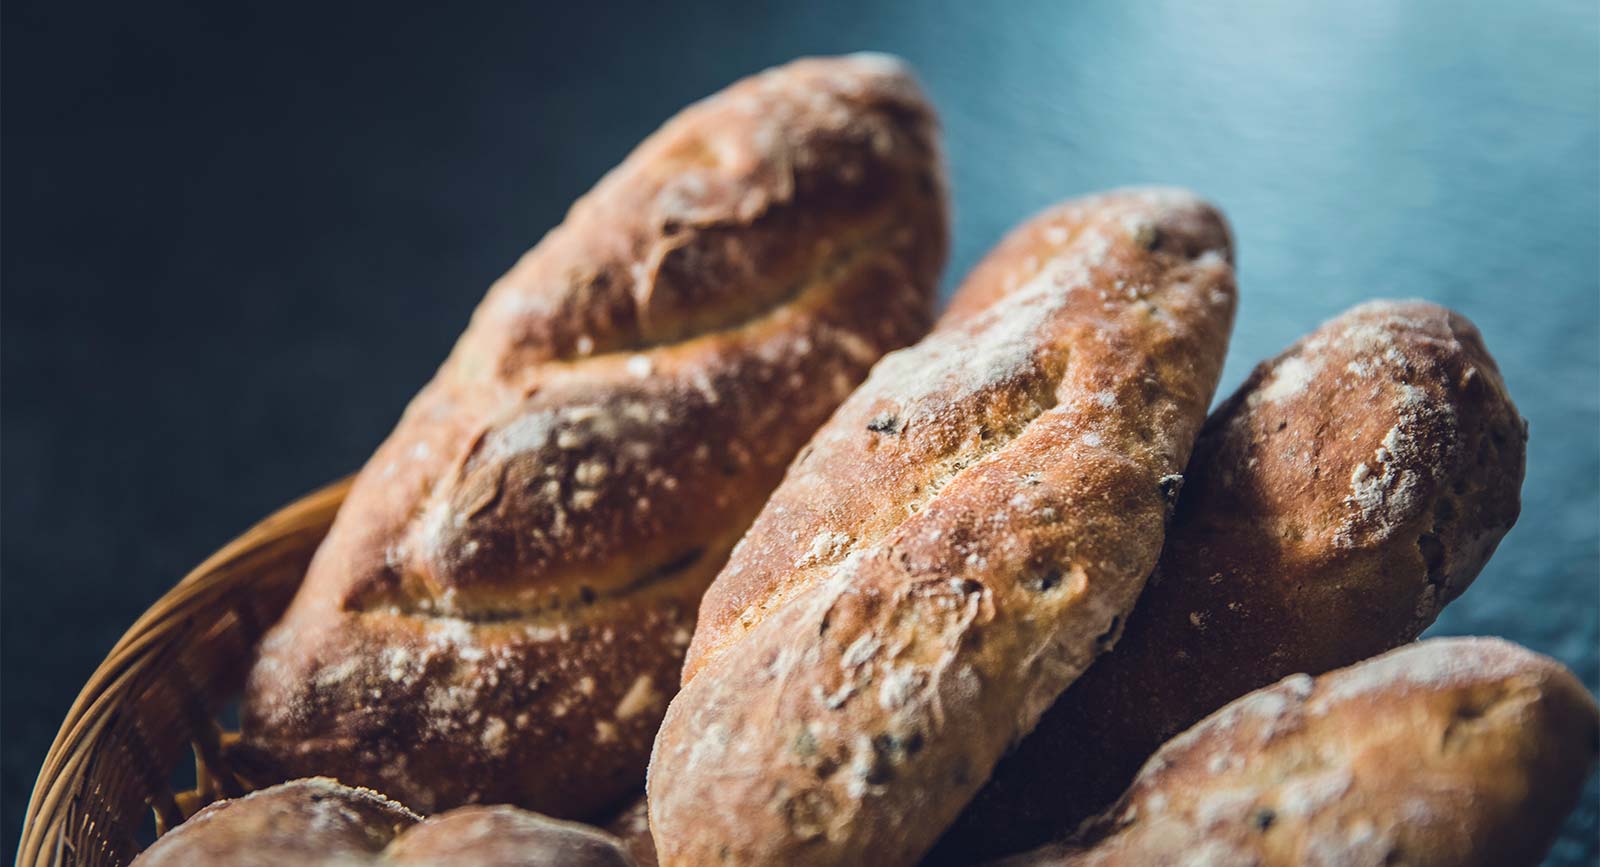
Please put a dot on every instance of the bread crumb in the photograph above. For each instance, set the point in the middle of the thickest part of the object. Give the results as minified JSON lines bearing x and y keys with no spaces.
{"x":494,"y":735}
{"x":590,"y":473}
{"x":825,"y":547}
{"x":640,"y":697}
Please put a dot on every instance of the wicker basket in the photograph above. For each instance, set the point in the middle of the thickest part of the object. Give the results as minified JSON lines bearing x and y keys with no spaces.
{"x":119,"y":756}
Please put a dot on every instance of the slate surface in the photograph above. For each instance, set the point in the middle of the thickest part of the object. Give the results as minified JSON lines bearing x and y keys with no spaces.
{"x":239,"y":236}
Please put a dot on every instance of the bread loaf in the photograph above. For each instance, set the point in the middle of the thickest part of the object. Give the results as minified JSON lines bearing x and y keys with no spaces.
{"x":952,"y":549}
{"x":319,"y":823}
{"x":500,"y":610}
{"x":271,"y":827}
{"x":1348,"y":490}
{"x":1447,"y":753}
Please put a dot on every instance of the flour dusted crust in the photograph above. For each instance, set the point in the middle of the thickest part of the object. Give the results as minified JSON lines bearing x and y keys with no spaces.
{"x":1352,"y":487}
{"x":952,"y":549}
{"x":1446,"y":753}
{"x":320,"y":823}
{"x":500,"y":610}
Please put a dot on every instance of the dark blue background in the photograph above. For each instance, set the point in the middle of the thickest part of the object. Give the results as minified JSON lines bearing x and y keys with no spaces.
{"x":237,"y":237}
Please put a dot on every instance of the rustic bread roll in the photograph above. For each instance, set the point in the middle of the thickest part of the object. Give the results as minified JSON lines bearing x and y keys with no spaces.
{"x":1349,"y":489}
{"x":500,"y":610}
{"x":952,"y":548}
{"x":1448,"y":753}
{"x":312,"y":822}
{"x":319,"y":823}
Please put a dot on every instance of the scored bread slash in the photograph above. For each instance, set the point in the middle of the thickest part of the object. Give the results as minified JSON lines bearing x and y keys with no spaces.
{"x":1335,"y":503}
{"x":1453,"y":752}
{"x":500,"y":609}
{"x":952,"y":549}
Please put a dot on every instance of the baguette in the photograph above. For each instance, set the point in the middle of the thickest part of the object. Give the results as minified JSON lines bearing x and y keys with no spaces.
{"x":952,"y":549}
{"x":1448,"y":753}
{"x":319,"y":823}
{"x":1335,"y":503}
{"x":500,"y":610}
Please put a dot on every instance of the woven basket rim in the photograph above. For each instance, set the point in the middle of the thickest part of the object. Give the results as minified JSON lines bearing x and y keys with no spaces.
{"x":155,"y":633}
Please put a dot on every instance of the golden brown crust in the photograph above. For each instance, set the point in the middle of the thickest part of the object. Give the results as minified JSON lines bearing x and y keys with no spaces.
{"x":1349,"y":489}
{"x":500,"y":610}
{"x":502,"y":836}
{"x":927,"y":412}
{"x":319,"y":823}
{"x":1446,"y":753}
{"x":951,"y":548}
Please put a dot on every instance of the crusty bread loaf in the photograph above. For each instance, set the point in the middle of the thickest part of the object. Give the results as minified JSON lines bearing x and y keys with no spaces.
{"x":500,"y":610}
{"x":952,"y":549}
{"x":319,"y":823}
{"x":1446,"y":753}
{"x":1349,"y":489}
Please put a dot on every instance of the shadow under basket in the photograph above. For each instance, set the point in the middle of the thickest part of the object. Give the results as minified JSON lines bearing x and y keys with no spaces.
{"x":121,"y":750}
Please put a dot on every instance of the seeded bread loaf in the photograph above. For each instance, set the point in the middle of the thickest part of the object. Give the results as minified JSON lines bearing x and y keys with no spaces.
{"x":952,"y":549}
{"x":1447,"y":753}
{"x":319,"y":823}
{"x":500,"y":610}
{"x":1352,"y":487}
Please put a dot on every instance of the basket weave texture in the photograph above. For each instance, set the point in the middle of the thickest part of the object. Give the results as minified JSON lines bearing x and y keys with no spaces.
{"x":157,"y":695}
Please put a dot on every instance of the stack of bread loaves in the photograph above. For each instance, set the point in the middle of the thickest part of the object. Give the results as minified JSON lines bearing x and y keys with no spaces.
{"x":947,"y":615}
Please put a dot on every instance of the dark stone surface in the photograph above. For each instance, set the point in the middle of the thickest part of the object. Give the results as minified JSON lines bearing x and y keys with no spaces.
{"x":239,"y":236}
